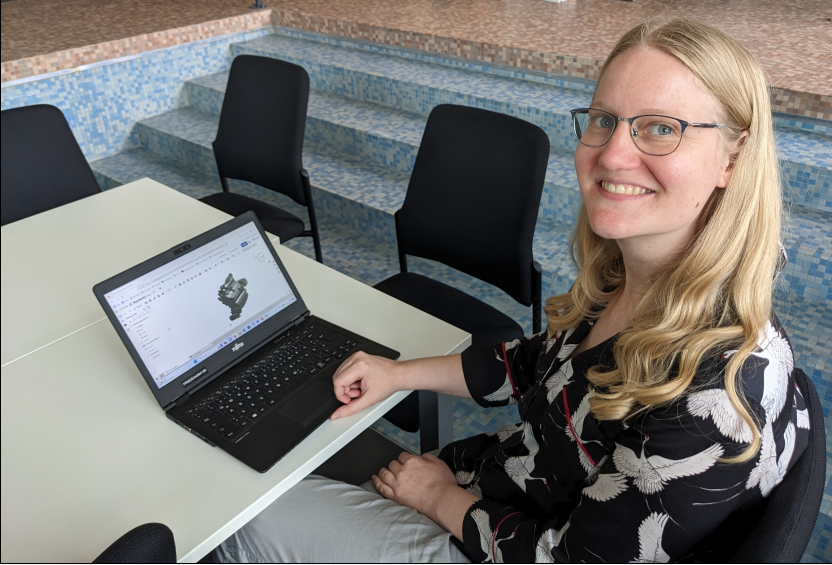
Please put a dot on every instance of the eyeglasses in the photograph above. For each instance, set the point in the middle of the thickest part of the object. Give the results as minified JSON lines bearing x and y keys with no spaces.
{"x":654,"y":135}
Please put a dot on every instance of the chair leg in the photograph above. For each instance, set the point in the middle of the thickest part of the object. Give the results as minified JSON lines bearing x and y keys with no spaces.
{"x":537,"y":291}
{"x":313,"y":221}
{"x":316,"y":240}
{"x":436,"y":420}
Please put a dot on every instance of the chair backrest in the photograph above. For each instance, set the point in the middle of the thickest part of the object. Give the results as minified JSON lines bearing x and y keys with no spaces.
{"x":262,"y":124}
{"x":474,"y":195}
{"x":42,"y":165}
{"x":148,"y":543}
{"x":778,"y":529}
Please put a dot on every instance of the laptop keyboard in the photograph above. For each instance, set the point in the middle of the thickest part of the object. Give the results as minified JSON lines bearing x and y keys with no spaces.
{"x":243,"y":401}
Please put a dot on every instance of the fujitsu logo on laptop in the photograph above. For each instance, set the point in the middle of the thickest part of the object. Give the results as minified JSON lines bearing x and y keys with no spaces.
{"x":238,"y":346}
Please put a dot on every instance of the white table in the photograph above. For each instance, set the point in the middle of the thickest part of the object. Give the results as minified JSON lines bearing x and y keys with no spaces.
{"x":51,"y":261}
{"x":87,"y":454}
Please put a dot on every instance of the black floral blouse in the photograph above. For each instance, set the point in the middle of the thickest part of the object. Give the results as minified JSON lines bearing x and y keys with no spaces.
{"x":563,"y":486}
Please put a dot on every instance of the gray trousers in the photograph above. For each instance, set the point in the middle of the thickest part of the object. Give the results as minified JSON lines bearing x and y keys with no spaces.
{"x":320,"y":520}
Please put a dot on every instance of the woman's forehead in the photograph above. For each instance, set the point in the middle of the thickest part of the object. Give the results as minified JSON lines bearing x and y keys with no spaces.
{"x":648,"y":81}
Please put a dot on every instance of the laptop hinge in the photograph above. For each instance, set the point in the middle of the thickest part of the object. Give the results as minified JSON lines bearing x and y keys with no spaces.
{"x":177,"y":401}
{"x":302,"y":317}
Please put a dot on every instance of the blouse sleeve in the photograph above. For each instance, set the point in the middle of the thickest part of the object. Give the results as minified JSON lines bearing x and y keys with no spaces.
{"x":498,"y":375}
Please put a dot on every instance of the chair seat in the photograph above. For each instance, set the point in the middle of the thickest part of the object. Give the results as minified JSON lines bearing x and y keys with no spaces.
{"x":275,"y":221}
{"x":486,"y":324}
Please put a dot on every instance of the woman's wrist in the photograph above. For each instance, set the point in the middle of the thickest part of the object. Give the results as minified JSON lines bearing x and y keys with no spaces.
{"x":449,"y":508}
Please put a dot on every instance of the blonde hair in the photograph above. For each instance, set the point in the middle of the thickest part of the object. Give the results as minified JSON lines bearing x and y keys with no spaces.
{"x":718,"y":293}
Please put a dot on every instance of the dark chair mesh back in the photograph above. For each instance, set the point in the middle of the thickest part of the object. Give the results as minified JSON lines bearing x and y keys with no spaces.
{"x":260,"y":136}
{"x":42,"y":165}
{"x":148,"y":543}
{"x":778,"y":529}
{"x":474,"y":194}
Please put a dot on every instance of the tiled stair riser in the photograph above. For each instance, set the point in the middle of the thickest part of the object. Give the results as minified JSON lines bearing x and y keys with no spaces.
{"x":419,"y":98}
{"x":804,"y":185}
{"x":781,"y":121}
{"x":103,"y":101}
{"x":572,"y":83}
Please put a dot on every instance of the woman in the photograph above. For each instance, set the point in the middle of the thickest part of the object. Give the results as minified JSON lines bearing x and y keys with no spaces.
{"x":661,"y":397}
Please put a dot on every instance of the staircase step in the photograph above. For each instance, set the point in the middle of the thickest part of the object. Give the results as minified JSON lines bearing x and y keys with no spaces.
{"x":140,"y":162}
{"x":806,"y":165}
{"x":387,"y":137}
{"x":809,"y":327}
{"x":808,"y":244}
{"x":417,"y":86}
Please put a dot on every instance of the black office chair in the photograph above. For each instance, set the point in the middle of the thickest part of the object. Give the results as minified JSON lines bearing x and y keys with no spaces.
{"x":260,"y":140}
{"x":778,"y":529}
{"x":148,"y":543}
{"x":471,"y":204}
{"x":42,"y":165}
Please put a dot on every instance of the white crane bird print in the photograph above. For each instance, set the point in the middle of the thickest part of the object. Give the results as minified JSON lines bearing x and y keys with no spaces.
{"x":716,"y":404}
{"x":651,"y":474}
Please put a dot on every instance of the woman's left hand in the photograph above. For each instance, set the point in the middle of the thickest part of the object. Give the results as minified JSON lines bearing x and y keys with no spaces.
{"x":414,"y":481}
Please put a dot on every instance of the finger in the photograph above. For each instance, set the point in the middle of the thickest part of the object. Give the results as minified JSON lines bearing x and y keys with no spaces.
{"x":431,"y":457}
{"x":395,"y":467}
{"x":354,"y":393}
{"x":387,"y":476}
{"x":383,"y":489}
{"x":343,"y":370}
{"x":404,"y":456}
{"x":350,"y":407}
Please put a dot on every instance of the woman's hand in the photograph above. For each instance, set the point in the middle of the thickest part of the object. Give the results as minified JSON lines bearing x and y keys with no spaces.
{"x":414,"y":481}
{"x":427,"y":485}
{"x":363,"y":380}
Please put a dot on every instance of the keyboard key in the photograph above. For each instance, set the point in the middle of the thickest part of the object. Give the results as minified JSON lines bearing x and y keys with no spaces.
{"x":217,"y":423}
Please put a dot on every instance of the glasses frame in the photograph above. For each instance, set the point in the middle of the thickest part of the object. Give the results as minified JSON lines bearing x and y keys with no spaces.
{"x":634,"y":133}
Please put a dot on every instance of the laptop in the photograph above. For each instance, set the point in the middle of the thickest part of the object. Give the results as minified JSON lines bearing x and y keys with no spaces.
{"x":224,"y":340}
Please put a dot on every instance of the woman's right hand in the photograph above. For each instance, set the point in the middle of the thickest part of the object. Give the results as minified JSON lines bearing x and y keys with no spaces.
{"x":363,"y":380}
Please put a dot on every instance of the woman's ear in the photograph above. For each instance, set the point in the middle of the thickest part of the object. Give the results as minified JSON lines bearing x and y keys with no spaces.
{"x":733,"y":153}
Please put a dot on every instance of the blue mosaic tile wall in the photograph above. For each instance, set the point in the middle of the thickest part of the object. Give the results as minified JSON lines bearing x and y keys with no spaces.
{"x":102,"y":102}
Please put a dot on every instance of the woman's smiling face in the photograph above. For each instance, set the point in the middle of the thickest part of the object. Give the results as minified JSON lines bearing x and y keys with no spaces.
{"x":663,"y":197}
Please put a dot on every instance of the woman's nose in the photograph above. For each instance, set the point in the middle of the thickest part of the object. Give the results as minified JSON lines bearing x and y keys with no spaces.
{"x":620,"y":152}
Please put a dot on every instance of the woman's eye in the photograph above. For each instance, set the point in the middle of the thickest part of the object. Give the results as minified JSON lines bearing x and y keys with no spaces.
{"x":602,"y":122}
{"x":660,"y":129}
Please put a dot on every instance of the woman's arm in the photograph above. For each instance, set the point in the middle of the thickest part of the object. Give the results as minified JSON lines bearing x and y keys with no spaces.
{"x":363,"y":380}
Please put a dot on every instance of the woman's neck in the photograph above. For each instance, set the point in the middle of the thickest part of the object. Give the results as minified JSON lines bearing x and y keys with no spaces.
{"x":641,"y":267}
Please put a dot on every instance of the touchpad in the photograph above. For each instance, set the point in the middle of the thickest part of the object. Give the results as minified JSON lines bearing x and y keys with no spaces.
{"x":309,"y":403}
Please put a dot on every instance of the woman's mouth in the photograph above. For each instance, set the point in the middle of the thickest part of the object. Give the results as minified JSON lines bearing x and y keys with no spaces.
{"x":627,"y":189}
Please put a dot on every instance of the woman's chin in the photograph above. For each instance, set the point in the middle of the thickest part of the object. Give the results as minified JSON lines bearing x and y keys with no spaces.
{"x":610,"y":227}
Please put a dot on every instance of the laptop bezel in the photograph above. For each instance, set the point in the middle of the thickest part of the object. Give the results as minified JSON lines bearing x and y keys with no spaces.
{"x":224,"y":358}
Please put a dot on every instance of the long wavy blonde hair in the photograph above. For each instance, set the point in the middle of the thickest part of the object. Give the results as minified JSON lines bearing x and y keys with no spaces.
{"x":717,"y":295}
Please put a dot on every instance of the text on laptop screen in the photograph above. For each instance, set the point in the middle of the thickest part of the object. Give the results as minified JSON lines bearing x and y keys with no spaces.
{"x":180,"y":314}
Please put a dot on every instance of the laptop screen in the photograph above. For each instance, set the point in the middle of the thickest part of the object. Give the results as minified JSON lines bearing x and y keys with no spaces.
{"x":180,"y":314}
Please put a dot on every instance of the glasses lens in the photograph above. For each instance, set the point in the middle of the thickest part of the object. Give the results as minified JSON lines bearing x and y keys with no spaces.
{"x":657,"y":135}
{"x":593,"y":127}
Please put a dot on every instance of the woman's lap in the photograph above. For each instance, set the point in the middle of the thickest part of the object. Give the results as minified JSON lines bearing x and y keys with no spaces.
{"x":321,"y":520}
